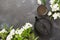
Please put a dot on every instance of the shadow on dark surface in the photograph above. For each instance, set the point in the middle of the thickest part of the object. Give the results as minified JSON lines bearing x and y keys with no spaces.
{"x":55,"y":32}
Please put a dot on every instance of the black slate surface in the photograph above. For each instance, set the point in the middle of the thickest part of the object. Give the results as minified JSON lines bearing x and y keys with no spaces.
{"x":55,"y":33}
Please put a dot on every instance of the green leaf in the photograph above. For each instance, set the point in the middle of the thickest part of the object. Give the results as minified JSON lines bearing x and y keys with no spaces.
{"x":32,"y":36}
{"x":36,"y":38}
{"x":3,"y":35}
{"x":11,"y":27}
{"x":17,"y":37}
{"x":59,"y":3}
{"x":5,"y":26}
{"x":44,"y":2}
{"x":26,"y":33}
{"x":55,"y":1}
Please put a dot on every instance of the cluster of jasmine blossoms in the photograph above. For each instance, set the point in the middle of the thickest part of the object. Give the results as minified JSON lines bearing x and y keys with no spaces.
{"x":55,"y":15}
{"x":3,"y":31}
{"x":55,"y":7}
{"x":18,"y":31}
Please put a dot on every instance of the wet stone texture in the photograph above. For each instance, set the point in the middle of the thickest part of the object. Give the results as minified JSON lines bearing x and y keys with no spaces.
{"x":18,"y":12}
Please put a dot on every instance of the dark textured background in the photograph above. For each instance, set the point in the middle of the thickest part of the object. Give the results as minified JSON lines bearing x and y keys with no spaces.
{"x":18,"y":12}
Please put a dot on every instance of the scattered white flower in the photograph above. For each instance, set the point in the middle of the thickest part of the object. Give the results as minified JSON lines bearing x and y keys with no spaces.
{"x":55,"y":15}
{"x":58,"y":15}
{"x":49,"y":13}
{"x":10,"y":36}
{"x":16,"y":32}
{"x":54,"y":7}
{"x":3,"y":31}
{"x":39,"y":2}
{"x":52,"y":1}
{"x":19,"y":31}
{"x":27,"y":25}
{"x":12,"y":32}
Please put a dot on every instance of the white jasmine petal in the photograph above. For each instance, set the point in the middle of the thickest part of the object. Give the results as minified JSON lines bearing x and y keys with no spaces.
{"x":58,"y":15}
{"x":27,"y":25}
{"x":9,"y":37}
{"x":16,"y":32}
{"x":22,"y":29}
{"x":55,"y":15}
{"x":51,"y":6}
{"x":57,"y":8}
{"x":52,"y":1}
{"x":54,"y":7}
{"x":12,"y":32}
{"x":3,"y":30}
{"x":49,"y":13}
{"x":19,"y":31}
{"x":39,"y":2}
